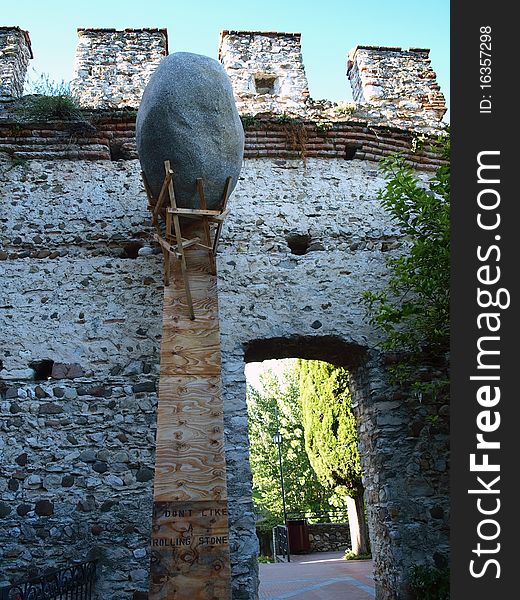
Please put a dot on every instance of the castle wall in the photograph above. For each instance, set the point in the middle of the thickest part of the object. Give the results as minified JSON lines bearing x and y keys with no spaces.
{"x":81,"y":319}
{"x":15,"y":52}
{"x":390,"y":86}
{"x":79,"y":291}
{"x":110,"y":136}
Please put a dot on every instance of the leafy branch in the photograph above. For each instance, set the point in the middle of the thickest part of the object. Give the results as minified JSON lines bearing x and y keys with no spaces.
{"x":412,"y":311}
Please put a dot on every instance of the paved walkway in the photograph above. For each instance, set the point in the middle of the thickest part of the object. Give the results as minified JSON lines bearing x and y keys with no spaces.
{"x":317,"y":576}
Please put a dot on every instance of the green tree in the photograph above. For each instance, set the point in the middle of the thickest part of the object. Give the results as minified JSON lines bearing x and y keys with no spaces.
{"x":331,"y":440}
{"x":303,"y":491}
{"x":412,"y":311}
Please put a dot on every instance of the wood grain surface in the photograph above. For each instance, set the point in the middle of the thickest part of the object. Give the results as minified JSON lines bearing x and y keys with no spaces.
{"x":190,"y":556}
{"x":190,"y":536}
{"x":190,"y":461}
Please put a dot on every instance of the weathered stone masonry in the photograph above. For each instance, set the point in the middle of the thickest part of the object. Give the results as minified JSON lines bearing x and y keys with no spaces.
{"x":329,"y":537}
{"x":81,"y":305}
{"x":395,"y":80}
{"x":112,"y":67}
{"x":113,"y":137}
{"x":265,"y":68}
{"x":15,"y":52}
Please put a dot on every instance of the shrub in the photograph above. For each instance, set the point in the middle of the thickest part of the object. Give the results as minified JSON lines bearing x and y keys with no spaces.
{"x":349,"y":555}
{"x":413,"y":310}
{"x":345,"y":108}
{"x":249,"y":121}
{"x":430,"y":583}
{"x":48,"y":100}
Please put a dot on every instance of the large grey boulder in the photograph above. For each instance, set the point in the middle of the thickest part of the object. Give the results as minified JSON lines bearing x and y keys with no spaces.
{"x":188,"y":115}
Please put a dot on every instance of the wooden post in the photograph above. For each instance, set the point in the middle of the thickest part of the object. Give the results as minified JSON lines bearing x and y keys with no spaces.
{"x":178,"y":237}
{"x":205,"y":224}
{"x":190,"y":537}
{"x":154,"y":207}
{"x":225,"y":196}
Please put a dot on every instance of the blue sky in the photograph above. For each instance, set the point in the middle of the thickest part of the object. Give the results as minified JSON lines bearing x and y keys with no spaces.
{"x":329,"y":29}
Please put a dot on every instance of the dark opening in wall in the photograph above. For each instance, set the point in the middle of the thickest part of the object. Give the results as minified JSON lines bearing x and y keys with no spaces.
{"x":350,"y":151}
{"x":298,"y":243}
{"x":118,"y":151}
{"x":131,"y":250}
{"x":42,"y":369}
{"x":264,"y":84}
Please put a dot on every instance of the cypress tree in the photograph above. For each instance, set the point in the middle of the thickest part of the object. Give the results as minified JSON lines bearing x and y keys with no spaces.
{"x":331,"y":439}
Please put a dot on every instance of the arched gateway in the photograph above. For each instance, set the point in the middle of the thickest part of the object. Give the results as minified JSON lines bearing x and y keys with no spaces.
{"x":305,"y":237}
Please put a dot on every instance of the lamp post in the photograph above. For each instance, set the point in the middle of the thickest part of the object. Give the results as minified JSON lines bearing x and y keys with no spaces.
{"x":277,"y":439}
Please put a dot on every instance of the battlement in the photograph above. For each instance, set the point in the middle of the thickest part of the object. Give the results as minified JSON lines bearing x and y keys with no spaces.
{"x":112,"y":67}
{"x":393,"y":78}
{"x":266,"y":69}
{"x":15,"y":52}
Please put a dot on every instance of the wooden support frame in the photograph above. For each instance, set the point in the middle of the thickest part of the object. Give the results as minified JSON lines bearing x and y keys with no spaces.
{"x":225,"y":197}
{"x":171,"y":240}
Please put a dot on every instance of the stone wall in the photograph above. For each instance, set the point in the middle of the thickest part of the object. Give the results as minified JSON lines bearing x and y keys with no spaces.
{"x":266,"y":70}
{"x":112,"y":66}
{"x":15,"y":52}
{"x":82,"y":288}
{"x":329,"y":537}
{"x":81,"y":324}
{"x":395,"y":80}
{"x":94,"y":296}
{"x":77,"y":469}
{"x":111,"y":136}
{"x":404,"y":451}
{"x":81,"y":314}
{"x":276,"y":303}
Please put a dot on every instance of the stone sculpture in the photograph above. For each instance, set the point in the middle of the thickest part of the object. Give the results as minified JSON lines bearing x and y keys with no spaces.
{"x":188,"y":115}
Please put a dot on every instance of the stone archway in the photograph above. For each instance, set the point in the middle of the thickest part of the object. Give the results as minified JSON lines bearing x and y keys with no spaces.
{"x":404,"y":504}
{"x":332,"y":351}
{"x":327,"y":348}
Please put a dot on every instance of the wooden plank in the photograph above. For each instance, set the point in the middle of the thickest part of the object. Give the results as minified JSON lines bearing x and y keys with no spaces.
{"x":225,"y":196}
{"x":205,"y":225}
{"x":194,"y":212}
{"x":206,"y":247}
{"x":200,"y":288}
{"x":166,"y":247}
{"x":162,"y":195}
{"x":174,"y":248}
{"x":167,"y":257}
{"x":190,"y":464}
{"x":190,"y":534}
{"x":220,"y":218}
{"x":148,"y":190}
{"x":191,"y":346}
{"x":202,"y":326}
{"x":201,"y":358}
